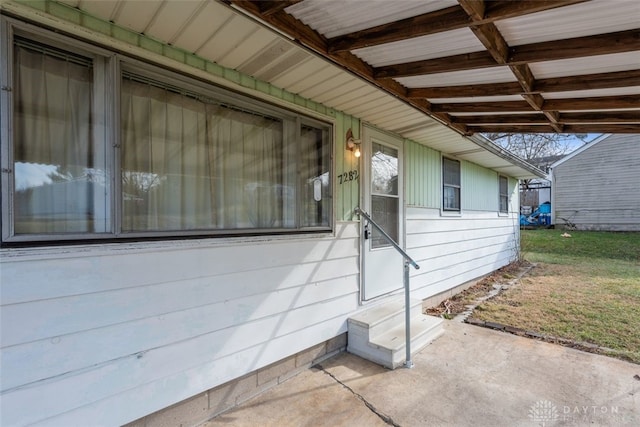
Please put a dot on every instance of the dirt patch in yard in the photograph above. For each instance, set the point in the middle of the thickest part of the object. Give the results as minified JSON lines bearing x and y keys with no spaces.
{"x":499,"y":280}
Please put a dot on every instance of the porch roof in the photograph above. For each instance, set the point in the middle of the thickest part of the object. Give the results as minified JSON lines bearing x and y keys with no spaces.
{"x":437,"y":72}
{"x":560,"y":66}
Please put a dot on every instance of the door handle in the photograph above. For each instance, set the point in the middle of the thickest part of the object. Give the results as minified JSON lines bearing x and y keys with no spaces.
{"x":366,"y":231}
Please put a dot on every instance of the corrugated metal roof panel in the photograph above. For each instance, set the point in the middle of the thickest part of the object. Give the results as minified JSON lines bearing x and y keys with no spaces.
{"x":137,"y":15}
{"x":385,"y":110}
{"x":345,"y":99}
{"x":380,"y":105}
{"x":441,"y":138}
{"x":483,"y":156}
{"x":201,"y":28}
{"x":275,"y":50}
{"x":583,"y":19}
{"x":489,"y":75}
{"x":303,"y":76}
{"x":380,"y":108}
{"x":225,"y":34}
{"x":512,"y":113}
{"x":250,"y":47}
{"x":171,"y":19}
{"x":333,"y":82}
{"x":420,"y":48}
{"x":359,"y":105}
{"x":286,"y":63}
{"x":107,"y":9}
{"x":630,"y":90}
{"x":332,"y":18}
{"x":476,"y":99}
{"x":340,"y":92}
{"x":396,"y":122}
{"x":369,"y":96}
{"x":417,"y":125}
{"x":589,"y":65}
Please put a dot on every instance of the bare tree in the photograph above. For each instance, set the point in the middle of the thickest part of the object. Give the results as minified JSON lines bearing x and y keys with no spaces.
{"x":536,"y":146}
{"x":539,"y":149}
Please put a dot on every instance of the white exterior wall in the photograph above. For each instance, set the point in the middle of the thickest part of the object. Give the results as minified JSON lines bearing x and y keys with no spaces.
{"x":452,"y":251}
{"x":103,"y":334}
{"x":110,"y":333}
{"x":597,"y":188}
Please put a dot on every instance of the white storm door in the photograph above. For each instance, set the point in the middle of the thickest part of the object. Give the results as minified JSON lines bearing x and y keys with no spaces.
{"x":382,"y":199}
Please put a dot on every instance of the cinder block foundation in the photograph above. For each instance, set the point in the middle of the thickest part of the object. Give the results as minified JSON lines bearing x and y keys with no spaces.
{"x":206,"y":405}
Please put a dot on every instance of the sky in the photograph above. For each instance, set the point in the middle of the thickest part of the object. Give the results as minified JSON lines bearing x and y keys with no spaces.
{"x":575,"y":143}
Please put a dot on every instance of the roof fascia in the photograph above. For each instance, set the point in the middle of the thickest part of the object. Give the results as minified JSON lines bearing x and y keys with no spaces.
{"x":494,"y":148}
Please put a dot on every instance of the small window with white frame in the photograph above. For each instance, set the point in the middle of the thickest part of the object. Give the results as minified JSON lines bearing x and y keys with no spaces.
{"x":450,"y":185}
{"x":503,"y":184}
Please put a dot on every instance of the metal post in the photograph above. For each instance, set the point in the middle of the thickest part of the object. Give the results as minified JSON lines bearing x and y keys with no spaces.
{"x":407,"y":315}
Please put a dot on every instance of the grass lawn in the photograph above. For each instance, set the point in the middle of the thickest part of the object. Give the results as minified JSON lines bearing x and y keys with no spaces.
{"x":585,"y":288}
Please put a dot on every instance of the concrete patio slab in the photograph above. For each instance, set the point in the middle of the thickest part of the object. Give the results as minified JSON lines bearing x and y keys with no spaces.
{"x":470,"y":376}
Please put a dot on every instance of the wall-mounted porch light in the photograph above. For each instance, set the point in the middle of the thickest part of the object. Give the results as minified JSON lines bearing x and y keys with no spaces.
{"x":353,"y":144}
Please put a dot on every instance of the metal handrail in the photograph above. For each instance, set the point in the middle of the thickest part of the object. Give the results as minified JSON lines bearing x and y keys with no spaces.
{"x":405,"y":255}
{"x":407,"y":291}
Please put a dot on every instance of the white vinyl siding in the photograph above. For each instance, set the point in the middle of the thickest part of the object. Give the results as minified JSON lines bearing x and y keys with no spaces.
{"x":452,"y":251}
{"x":166,"y":322}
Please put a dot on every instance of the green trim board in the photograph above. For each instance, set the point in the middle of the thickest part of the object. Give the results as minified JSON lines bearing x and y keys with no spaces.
{"x":479,"y":189}
{"x":423,"y":176}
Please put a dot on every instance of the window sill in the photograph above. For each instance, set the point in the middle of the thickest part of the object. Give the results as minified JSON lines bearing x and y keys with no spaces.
{"x":452,"y":214}
{"x":52,"y":249}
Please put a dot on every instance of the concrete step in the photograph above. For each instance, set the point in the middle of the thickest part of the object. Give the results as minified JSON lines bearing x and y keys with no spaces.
{"x":382,"y":317}
{"x":378,"y":334}
{"x":424,"y":330}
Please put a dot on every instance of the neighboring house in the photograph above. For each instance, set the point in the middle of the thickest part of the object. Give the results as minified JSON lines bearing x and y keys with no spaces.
{"x":211,"y":247}
{"x":596,"y":186}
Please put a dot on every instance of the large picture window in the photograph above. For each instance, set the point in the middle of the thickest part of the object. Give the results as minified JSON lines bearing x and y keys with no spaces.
{"x":450,"y":185}
{"x":187,"y":158}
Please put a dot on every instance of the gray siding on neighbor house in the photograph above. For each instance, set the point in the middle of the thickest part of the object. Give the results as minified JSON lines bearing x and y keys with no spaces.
{"x":597,"y":189}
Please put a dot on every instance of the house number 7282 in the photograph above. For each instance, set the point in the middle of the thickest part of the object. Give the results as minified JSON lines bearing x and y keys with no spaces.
{"x":348,"y":176}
